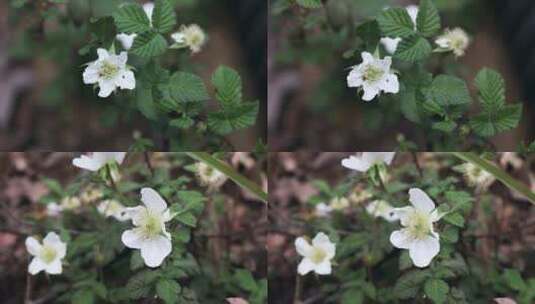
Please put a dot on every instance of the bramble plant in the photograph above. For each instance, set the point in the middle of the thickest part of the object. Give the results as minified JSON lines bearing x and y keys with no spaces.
{"x":137,"y":57}
{"x":127,"y":229}
{"x":410,"y":232}
{"x":404,"y":62}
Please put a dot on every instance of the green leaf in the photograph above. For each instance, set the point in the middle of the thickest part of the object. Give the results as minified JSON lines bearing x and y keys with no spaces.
{"x":450,"y":234}
{"x":491,"y":87}
{"x":136,"y":261}
{"x":149,"y":44}
{"x":131,"y":18}
{"x":449,"y":90}
{"x":408,"y":285}
{"x":309,"y":3}
{"x":396,"y":22}
{"x":428,"y":20}
{"x":187,"y":218}
{"x":245,"y":280}
{"x":168,"y":290}
{"x":488,"y":124}
{"x":445,"y":126}
{"x":514,"y":279}
{"x":437,"y":290}
{"x":353,"y":296}
{"x":228,"y":86}
{"x":186,"y":87}
{"x":413,"y":48}
{"x":183,"y":122}
{"x":231,"y":119}
{"x":163,"y":16}
{"x":83,"y":296}
{"x":140,"y":284}
{"x":455,"y":219}
{"x":145,"y":102}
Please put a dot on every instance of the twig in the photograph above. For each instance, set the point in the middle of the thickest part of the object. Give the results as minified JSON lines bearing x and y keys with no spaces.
{"x":297,"y":290}
{"x":28,"y":293}
{"x":415,"y":160}
{"x":147,"y":161}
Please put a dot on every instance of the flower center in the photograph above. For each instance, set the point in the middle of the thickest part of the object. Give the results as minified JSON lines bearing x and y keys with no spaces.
{"x":373,"y":73}
{"x":152,"y":226}
{"x":419,"y":225}
{"x":318,"y":255}
{"x":48,"y":254}
{"x":108,"y":70}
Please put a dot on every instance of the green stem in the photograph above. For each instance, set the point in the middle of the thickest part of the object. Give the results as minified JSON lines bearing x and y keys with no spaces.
{"x":224,"y":168}
{"x":500,"y":174}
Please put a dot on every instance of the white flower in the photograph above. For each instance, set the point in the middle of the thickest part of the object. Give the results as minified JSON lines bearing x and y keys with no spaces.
{"x":97,"y":160}
{"x":127,"y":40}
{"x":323,"y":210}
{"x":191,"y":36}
{"x":359,"y":195}
{"x":455,"y":40}
{"x":53,"y":209}
{"x":366,"y":160}
{"x":150,"y":234}
{"x":47,"y":256}
{"x":477,"y":177}
{"x":317,"y":256}
{"x":110,"y":72}
{"x":373,"y":75}
{"x":210,"y":176}
{"x":90,"y":195}
{"x":339,"y":203}
{"x":113,"y":208}
{"x":380,"y":208}
{"x":391,"y":44}
{"x":418,"y":235}
{"x":70,"y":203}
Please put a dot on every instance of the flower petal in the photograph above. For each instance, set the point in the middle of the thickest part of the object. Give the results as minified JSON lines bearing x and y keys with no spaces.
{"x":54,"y":267}
{"x":36,"y":266}
{"x":423,"y":251}
{"x":354,"y":79}
{"x":420,"y":200}
{"x":102,"y":54}
{"x":367,"y":57}
{"x":106,"y":88}
{"x":155,"y":250}
{"x":321,"y":240}
{"x":303,"y":247}
{"x":126,"y":40}
{"x":390,"y":44}
{"x":126,"y":80}
{"x":401,"y":239}
{"x":33,"y":246}
{"x":356,"y":163}
{"x":390,"y":84}
{"x":132,"y":239}
{"x":305,"y":266}
{"x":153,"y":200}
{"x":323,"y":268}
{"x":86,"y":162}
{"x":370,"y":92}
{"x":91,"y":74}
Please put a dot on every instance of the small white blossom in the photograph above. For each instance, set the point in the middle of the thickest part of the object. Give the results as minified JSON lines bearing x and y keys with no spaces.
{"x":113,"y":208}
{"x":97,"y":160}
{"x":366,"y":160}
{"x":374,"y":76}
{"x":316,"y":256}
{"x":191,"y":36}
{"x":53,"y":209}
{"x":90,"y":195}
{"x":418,"y":235}
{"x":477,"y":177}
{"x":380,"y":208}
{"x":149,"y":234}
{"x":455,"y":40}
{"x":110,"y":72}
{"x":127,"y":40}
{"x":210,"y":176}
{"x":391,"y":44}
{"x":70,"y":203}
{"x":48,"y":255}
{"x":339,"y":203}
{"x":359,"y":195}
{"x":323,"y":210}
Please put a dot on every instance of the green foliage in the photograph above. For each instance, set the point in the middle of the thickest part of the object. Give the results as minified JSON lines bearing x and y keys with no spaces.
{"x":396,"y":22}
{"x":309,"y":3}
{"x":428,"y":19}
{"x":436,"y":290}
{"x":413,"y":48}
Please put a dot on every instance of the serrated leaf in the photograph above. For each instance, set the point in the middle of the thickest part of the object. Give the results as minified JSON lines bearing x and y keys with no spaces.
{"x":184,"y":122}
{"x":163,"y":16}
{"x":396,"y":22}
{"x":168,"y":290}
{"x":309,"y":3}
{"x":489,"y":124}
{"x":131,"y":18}
{"x":186,"y":87}
{"x":491,"y":87}
{"x":448,"y":90}
{"x":228,"y":86}
{"x":240,"y":116}
{"x":436,"y":290}
{"x":445,"y":126}
{"x":514,"y":279}
{"x":149,"y":44}
{"x":450,"y":234}
{"x":455,"y":219}
{"x":408,"y":285}
{"x":428,"y":20}
{"x":413,"y":48}
{"x":187,"y":218}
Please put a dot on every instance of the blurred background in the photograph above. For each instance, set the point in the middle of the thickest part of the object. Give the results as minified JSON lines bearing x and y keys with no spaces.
{"x":307,"y":73}
{"x":44,"y":104}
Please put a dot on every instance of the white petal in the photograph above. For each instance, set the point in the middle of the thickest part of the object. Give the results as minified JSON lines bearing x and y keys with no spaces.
{"x":443,"y":43}
{"x":91,"y":74}
{"x":36,"y":266}
{"x":54,"y":267}
{"x":119,"y":157}
{"x":390,"y":84}
{"x":122,"y":58}
{"x":126,"y":40}
{"x":370,"y":91}
{"x":404,"y":214}
{"x":413,"y":13}
{"x":390,"y":44}
{"x":354,"y":79}
{"x":51,"y":239}
{"x":155,"y":250}
{"x":132,"y":239}
{"x":136,"y":214}
{"x":86,"y":162}
{"x":33,"y":246}
{"x":323,"y":268}
{"x":321,"y":240}
{"x":388,"y":157}
{"x":356,"y":163}
{"x":303,"y":247}
{"x":367,"y":57}
{"x":106,"y":88}
{"x":149,"y":8}
{"x":102,"y":54}
{"x":126,"y":80}
{"x":305,"y":266}
{"x":401,"y":239}
{"x":421,"y":200}
{"x":423,"y":251}
{"x":153,"y":200}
